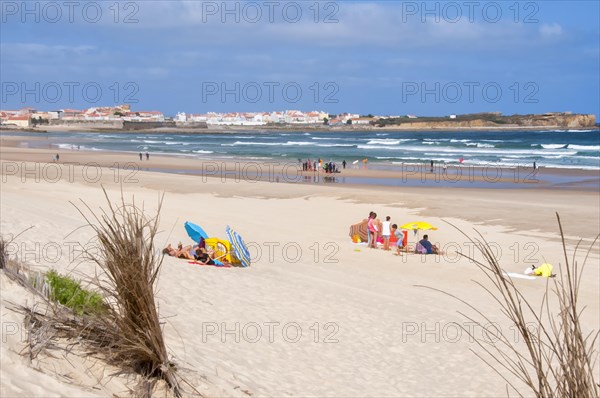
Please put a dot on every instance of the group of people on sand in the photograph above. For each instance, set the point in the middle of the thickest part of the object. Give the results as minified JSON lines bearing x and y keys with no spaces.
{"x":328,"y":167}
{"x":386,"y":230}
{"x":197,"y":253}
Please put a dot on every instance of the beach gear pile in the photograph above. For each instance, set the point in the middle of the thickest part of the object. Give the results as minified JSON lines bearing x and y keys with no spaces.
{"x":359,"y":232}
{"x":233,"y":251}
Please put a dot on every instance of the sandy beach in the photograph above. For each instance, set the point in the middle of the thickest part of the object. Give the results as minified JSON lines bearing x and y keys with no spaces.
{"x":315,"y":314}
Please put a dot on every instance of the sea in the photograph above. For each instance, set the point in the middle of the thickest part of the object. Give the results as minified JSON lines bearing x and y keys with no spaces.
{"x":565,"y":149}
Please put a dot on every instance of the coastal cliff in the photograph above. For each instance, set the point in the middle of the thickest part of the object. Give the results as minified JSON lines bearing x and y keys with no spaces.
{"x":492,"y":120}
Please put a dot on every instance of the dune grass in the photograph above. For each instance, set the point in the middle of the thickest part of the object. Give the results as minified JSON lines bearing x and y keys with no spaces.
{"x":120,"y":325}
{"x":555,"y":358}
{"x":68,"y":292}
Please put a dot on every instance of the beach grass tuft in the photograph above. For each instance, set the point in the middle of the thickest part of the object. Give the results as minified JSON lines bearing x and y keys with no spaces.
{"x":553,"y":355}
{"x":120,"y":325}
{"x":127,"y":255}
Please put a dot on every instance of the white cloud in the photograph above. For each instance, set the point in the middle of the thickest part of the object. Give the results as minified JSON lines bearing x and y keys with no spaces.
{"x":551,"y":30}
{"x":42,"y":50}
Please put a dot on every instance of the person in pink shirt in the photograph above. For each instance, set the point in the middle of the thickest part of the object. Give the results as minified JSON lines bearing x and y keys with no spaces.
{"x":373,"y":230}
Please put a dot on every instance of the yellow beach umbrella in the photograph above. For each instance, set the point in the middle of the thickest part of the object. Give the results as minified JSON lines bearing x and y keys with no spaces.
{"x":416,"y":225}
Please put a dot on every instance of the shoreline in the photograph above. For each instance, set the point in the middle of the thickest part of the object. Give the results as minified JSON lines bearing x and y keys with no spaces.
{"x":374,"y":174}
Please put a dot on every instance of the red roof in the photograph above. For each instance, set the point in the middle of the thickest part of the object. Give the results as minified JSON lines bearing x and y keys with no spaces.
{"x":18,"y":118}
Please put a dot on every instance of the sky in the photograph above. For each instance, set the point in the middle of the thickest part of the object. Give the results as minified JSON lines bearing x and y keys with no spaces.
{"x":383,"y":58}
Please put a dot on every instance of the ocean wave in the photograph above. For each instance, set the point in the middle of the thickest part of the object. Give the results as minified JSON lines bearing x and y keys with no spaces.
{"x":551,"y":146}
{"x":498,"y":151}
{"x":596,"y":158}
{"x":424,"y":160}
{"x":584,"y":147}
{"x":384,"y":141}
{"x":474,"y":151}
{"x":109,"y":136}
{"x":289,"y":143}
{"x":202,"y":151}
{"x":480,"y":145}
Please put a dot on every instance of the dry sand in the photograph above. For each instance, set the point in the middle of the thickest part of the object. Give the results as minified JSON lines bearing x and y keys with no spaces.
{"x":315,"y":315}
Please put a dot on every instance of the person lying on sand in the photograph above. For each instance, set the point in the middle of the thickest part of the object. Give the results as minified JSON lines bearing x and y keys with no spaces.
{"x":186,"y":252}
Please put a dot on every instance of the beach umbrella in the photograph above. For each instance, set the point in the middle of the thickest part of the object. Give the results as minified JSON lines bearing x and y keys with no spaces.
{"x":195,"y":232}
{"x":418,"y":225}
{"x":239,"y":247}
{"x":361,"y":229}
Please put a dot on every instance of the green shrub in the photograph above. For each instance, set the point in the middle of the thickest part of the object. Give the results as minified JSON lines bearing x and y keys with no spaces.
{"x":69,"y":293}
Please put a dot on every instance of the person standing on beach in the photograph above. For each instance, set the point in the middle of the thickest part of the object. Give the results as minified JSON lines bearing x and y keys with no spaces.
{"x":140,"y":156}
{"x":57,"y":157}
{"x":344,"y":164}
{"x":373,"y":230}
{"x":534,"y":165}
{"x":147,"y":156}
{"x":368,"y":232}
{"x":386,"y":233}
{"x":431,"y":166}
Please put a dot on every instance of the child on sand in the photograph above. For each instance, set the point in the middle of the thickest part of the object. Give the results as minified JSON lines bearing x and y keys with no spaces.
{"x":373,"y":230}
{"x":400,"y":237}
{"x":385,"y":232}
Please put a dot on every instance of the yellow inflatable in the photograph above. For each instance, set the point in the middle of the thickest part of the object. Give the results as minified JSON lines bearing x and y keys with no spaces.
{"x":221,"y":247}
{"x":544,"y":270}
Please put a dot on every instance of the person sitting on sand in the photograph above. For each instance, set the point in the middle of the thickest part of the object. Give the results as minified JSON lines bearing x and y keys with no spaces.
{"x":208,"y":258}
{"x":431,"y":249}
{"x":202,"y":256}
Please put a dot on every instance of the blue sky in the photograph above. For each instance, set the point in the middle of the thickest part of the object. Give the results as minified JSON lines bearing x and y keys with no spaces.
{"x":389,"y":58}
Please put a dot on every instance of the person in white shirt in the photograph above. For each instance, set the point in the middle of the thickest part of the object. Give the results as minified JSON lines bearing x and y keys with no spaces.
{"x":386,"y":232}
